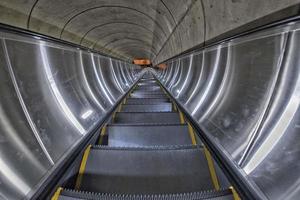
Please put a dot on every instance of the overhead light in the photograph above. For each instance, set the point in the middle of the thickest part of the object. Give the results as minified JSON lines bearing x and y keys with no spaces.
{"x":86,"y":114}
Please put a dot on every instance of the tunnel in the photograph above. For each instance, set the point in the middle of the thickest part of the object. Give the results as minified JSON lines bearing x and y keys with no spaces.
{"x":150,"y":100}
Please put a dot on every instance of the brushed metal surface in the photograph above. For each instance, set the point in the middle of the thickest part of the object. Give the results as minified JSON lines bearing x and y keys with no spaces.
{"x":244,"y":94}
{"x":52,"y":95}
{"x":151,"y":170}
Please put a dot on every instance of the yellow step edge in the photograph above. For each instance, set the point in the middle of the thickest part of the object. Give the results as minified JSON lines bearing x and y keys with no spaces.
{"x":234,"y":193}
{"x":117,"y":110}
{"x":120,"y":107}
{"x":192,"y":134}
{"x":173,"y":104}
{"x":102,"y":133}
{"x":82,"y":167}
{"x":194,"y":142}
{"x":175,"y":107}
{"x":182,"y":121}
{"x":56,"y":194}
{"x":212,"y":169}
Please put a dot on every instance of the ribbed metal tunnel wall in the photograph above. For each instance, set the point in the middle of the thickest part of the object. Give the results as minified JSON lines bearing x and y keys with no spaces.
{"x":244,"y":92}
{"x":52,"y":97}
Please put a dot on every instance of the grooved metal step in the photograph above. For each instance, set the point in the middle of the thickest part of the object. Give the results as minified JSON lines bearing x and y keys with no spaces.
{"x":147,"y":100}
{"x":147,"y":118}
{"x":67,"y":194}
{"x":148,"y":135}
{"x":150,"y":89}
{"x":162,"y":107}
{"x":146,"y":154}
{"x":136,"y":95}
{"x":151,"y":170}
{"x":148,"y":92}
{"x":147,"y":83}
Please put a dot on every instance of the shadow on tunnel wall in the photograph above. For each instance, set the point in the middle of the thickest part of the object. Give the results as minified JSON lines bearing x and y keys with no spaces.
{"x":244,"y":94}
{"x":52,"y":96}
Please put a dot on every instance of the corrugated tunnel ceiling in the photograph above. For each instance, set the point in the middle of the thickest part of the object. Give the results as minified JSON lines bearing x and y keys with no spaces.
{"x":128,"y":29}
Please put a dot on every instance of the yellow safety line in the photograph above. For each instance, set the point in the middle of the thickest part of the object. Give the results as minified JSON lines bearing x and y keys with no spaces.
{"x":113,"y":117}
{"x":181,"y":117}
{"x":192,"y":134}
{"x":175,"y":107}
{"x":206,"y":152}
{"x":190,"y":128}
{"x":120,"y":107}
{"x":211,"y":168}
{"x":118,"y":110}
{"x":234,"y":193}
{"x":173,"y":104}
{"x":82,"y":167}
{"x":56,"y":194}
{"x":103,"y":131}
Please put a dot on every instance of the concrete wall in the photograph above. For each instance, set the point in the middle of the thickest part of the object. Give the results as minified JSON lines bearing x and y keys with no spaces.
{"x":208,"y":19}
{"x":156,"y":29}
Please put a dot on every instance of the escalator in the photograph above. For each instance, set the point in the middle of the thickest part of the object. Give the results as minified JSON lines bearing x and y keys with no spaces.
{"x":147,"y":150}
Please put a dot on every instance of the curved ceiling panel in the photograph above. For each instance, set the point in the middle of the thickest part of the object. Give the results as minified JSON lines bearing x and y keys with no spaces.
{"x":82,"y":22}
{"x":120,"y":41}
{"x":132,"y":47}
{"x":103,"y":31}
{"x":127,"y":44}
{"x":106,"y":39}
{"x":93,"y":23}
{"x":171,"y":26}
{"x":97,"y":15}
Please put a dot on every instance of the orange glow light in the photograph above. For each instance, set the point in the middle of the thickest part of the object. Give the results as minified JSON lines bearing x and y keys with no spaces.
{"x":162,"y":66}
{"x":142,"y":61}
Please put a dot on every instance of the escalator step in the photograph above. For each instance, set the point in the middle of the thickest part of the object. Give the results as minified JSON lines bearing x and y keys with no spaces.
{"x":151,"y":88}
{"x":147,"y":118}
{"x":151,"y":170}
{"x":67,"y":194}
{"x":162,"y":107}
{"x":147,"y":100}
{"x":148,"y":135}
{"x":137,"y":95}
{"x":147,"y":92}
{"x":147,"y":83}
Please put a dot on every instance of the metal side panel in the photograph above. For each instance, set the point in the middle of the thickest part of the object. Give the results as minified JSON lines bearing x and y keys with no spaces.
{"x":245,"y":99}
{"x":147,"y":118}
{"x":147,"y":100}
{"x":208,"y":195}
{"x":162,"y":107}
{"x":49,"y":103}
{"x":148,"y":135}
{"x":146,"y":170}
